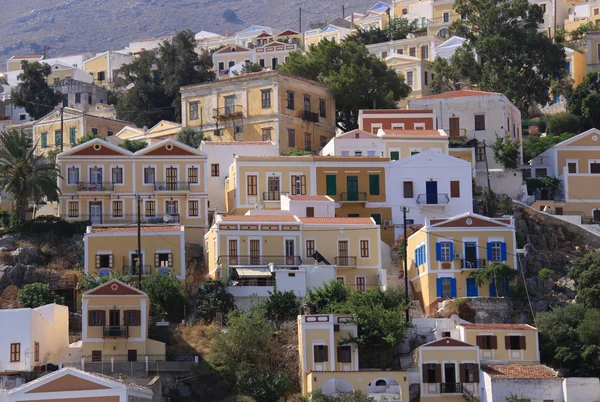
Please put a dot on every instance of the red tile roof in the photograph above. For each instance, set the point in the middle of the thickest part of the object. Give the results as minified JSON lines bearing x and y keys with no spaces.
{"x":513,"y":371}
{"x":396,"y":111}
{"x":287,"y":32}
{"x":309,"y":198}
{"x":459,"y":94}
{"x":421,"y":133}
{"x":448,"y":342}
{"x":258,"y":218}
{"x":238,"y":143}
{"x":133,"y":229}
{"x":519,"y":327}
{"x":26,"y":57}
{"x":337,"y":221}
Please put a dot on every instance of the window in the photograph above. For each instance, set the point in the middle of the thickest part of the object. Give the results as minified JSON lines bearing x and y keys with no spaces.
{"x":104,"y":261}
{"x":446,"y":287}
{"x":344,"y":354}
{"x":94,"y":131}
{"x":289,"y":97}
{"x":455,"y":189}
{"x":487,"y":342}
{"x":408,"y":189}
{"x":299,"y":185}
{"x":229,"y":104}
{"x":361,"y":283}
{"x":101,"y":75}
{"x":310,"y":212}
{"x":446,"y":17}
{"x":412,"y":51}
{"x":72,"y":175}
{"x":218,"y":132}
{"x":261,"y":62}
{"x":117,"y":208}
{"x":376,"y":218}
{"x":395,"y":155}
{"x":252,"y":185}
{"x":409,"y":78}
{"x":543,"y":6}
{"x":480,"y":122}
{"x":310,"y":248}
{"x":193,"y":175}
{"x":357,"y":153}
{"x":221,"y":66}
{"x":432,"y":373}
{"x":96,"y":355}
{"x":78,"y":97}
{"x":15,"y":352}
{"x":370,"y":153}
{"x":322,"y":108}
{"x":445,"y":251}
{"x":265,"y":96}
{"x":364,"y":249}
{"x":446,"y":334}
{"x":320,"y":353}
{"x":479,"y":153}
{"x":323,"y":141}
{"x":541,"y":172}
{"x":132,"y":318}
{"x":57,"y":137}
{"x":72,"y":135}
{"x":306,"y":103}
{"x":426,"y":78}
{"x":193,"y":110}
{"x":374,"y":184}
{"x":514,"y":342}
{"x":495,"y":251}
{"x":291,"y":137}
{"x":469,"y":373}
{"x":345,"y":153}
{"x":73,"y":209}
{"x":22,"y":117}
{"x":117,"y":175}
{"x":266,"y":134}
{"x":595,"y":168}
{"x":36,"y":351}
{"x":149,"y":175}
{"x":193,"y":207}
{"x":404,"y":10}
{"x":96,"y":318}
{"x":150,"y":208}
{"x":307,"y":142}
{"x":424,"y":52}
{"x":95,"y":175}
{"x":90,"y":99}
{"x":330,"y":182}
{"x":163,"y":260}
{"x":214,"y":169}
{"x":572,"y":166}
{"x":172,"y":207}
{"x":44,"y":140}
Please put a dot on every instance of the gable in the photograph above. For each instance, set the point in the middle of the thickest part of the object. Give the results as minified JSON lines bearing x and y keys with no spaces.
{"x":114,"y":288}
{"x":232,"y":49}
{"x":475,"y":222}
{"x":54,"y":116}
{"x":67,"y":382}
{"x":97,"y":149}
{"x":448,"y":342}
{"x":591,"y":139}
{"x":169,"y":150}
{"x":164,"y":125}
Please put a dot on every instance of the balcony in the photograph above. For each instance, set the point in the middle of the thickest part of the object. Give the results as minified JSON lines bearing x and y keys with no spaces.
{"x":353,"y":197}
{"x":450,"y":388}
{"x":345,"y":261}
{"x":309,"y":116}
{"x":433,"y":199}
{"x":133,"y":270}
{"x":259,"y":260}
{"x":476,"y":264}
{"x":456,"y":133}
{"x":273,"y":195}
{"x":228,"y":112}
{"x":115,"y":331}
{"x":106,"y":219}
{"x":440,"y":20}
{"x":95,"y":186}
{"x":171,"y":186}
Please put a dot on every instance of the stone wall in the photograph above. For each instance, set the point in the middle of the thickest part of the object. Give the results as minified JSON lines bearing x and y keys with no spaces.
{"x":487,"y":309}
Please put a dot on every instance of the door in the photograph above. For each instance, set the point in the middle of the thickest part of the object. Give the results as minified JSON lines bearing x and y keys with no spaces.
{"x":134,"y":264}
{"x":95,"y":175}
{"x":472,"y":290}
{"x":96,"y":212}
{"x":431,"y":192}
{"x":229,"y":104}
{"x":454,"y":127}
{"x":361,"y":285}
{"x":450,"y":378}
{"x":114,"y":320}
{"x":310,"y":212}
{"x":597,"y":215}
{"x":254,"y":252}
{"x":171,"y":179}
{"x":352,"y":187}
{"x":233,"y":252}
{"x":343,"y":253}
{"x":470,"y":260}
{"x":172,"y":208}
{"x":289,"y":252}
{"x":132,"y":355}
{"x":273,"y":187}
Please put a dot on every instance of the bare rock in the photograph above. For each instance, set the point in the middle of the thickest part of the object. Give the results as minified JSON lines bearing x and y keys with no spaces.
{"x":25,"y":255}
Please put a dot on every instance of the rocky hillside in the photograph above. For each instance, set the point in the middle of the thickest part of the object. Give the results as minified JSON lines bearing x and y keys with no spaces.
{"x":76,"y":26}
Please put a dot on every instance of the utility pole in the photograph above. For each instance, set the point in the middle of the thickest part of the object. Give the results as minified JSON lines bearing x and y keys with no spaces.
{"x":299,"y":19}
{"x":404,"y":210}
{"x":62,"y":124}
{"x":488,"y":197}
{"x":139,"y":241}
{"x":343,"y":11}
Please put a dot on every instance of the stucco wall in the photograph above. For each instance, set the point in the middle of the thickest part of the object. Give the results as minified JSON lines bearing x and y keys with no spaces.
{"x":497,"y":390}
{"x":581,"y":389}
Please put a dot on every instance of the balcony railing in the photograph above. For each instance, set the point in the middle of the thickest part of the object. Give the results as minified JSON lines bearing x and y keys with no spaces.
{"x":106,"y":219}
{"x":228,"y":112}
{"x":171,"y":186}
{"x":433,"y":199}
{"x":353,"y":197}
{"x":133,"y":270}
{"x":450,"y":388}
{"x":260,"y":260}
{"x":345,"y":261}
{"x":477,"y":264}
{"x":273,"y":195}
{"x":309,"y":116}
{"x":441,"y":20}
{"x":117,"y":331}
{"x":460,"y":132}
{"x":95,"y":186}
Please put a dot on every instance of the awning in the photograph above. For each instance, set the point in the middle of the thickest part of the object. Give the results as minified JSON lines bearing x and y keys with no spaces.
{"x":253,"y":272}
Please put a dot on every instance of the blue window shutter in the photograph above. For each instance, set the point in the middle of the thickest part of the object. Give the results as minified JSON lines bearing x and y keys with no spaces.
{"x":453,"y":288}
{"x":489,"y":250}
{"x":506,"y":285}
{"x":424,"y":254}
{"x":417,"y":256}
{"x":438,"y":251}
{"x":438,"y":283}
{"x":503,"y":251}
{"x":451,"y":251}
{"x":492,"y":289}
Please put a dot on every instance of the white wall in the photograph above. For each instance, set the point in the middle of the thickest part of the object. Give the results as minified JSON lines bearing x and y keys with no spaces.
{"x":581,"y":389}
{"x":74,"y":60}
{"x":324,"y":209}
{"x":20,"y":330}
{"x":317,"y":275}
{"x":508,"y":182}
{"x":498,"y":389}
{"x":337,"y":146}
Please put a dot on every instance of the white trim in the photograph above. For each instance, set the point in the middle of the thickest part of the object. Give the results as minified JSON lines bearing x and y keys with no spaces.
{"x":122,"y":175}
{"x":144,"y":183}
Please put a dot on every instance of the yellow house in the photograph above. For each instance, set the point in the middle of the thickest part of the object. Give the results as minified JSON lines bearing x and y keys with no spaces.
{"x":377,"y":17}
{"x":335,"y":31}
{"x":421,"y":47}
{"x":115,"y":319}
{"x":160,"y":131}
{"x":328,"y":364}
{"x":443,"y":16}
{"x":593,"y":51}
{"x":101,"y":182}
{"x":444,"y":252}
{"x":270,"y":105}
{"x":15,"y":63}
{"x":417,"y":73}
{"x":102,"y":67}
{"x":109,"y":250}
{"x":575,"y":64}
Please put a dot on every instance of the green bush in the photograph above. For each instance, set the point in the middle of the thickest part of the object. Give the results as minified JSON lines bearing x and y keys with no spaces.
{"x":37,"y":295}
{"x":562,"y":123}
{"x":166,"y":294}
{"x":213,"y":298}
{"x":50,"y":224}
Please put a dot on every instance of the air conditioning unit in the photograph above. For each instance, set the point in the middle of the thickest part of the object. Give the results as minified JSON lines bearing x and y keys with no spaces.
{"x":387,"y":223}
{"x":457,"y":256}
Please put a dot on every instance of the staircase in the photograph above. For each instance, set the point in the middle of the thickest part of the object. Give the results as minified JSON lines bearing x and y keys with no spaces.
{"x":407,"y":362}
{"x":395,"y":278}
{"x":469,"y":397}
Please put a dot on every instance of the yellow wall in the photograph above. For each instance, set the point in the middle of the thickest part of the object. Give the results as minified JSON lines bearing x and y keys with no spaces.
{"x":97,"y":65}
{"x":579,"y":67}
{"x":359,"y":380}
{"x":528,"y":356}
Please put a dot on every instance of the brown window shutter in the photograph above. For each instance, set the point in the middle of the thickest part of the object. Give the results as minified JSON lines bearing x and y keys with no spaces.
{"x":97,"y":261}
{"x":303,"y":184}
{"x":138,"y":313}
{"x":110,"y":261}
{"x":293,"y":185}
{"x":522,"y":343}
{"x":478,"y":341}
{"x":494,"y":342}
{"x":126,"y":316}
{"x":156,"y":260}
{"x":424,"y":372}
{"x":461,"y":371}
{"x":438,"y":373}
{"x":507,"y":342}
{"x":90,"y":318}
{"x":170,"y":259}
{"x":326,"y":354}
{"x":103,"y":317}
{"x":476,"y":373}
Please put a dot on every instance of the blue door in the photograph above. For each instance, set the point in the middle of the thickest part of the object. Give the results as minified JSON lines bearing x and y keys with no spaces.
{"x":431,"y":192}
{"x":492,"y":289}
{"x":472,"y":290}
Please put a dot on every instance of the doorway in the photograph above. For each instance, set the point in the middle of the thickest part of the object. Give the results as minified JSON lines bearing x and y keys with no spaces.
{"x":132,"y":355}
{"x":472,"y":290}
{"x":454,"y":127}
{"x":431,"y":192}
{"x":352,"y":187}
{"x":96,"y":212}
{"x":450,"y":378}
{"x":114,"y":321}
{"x":470,"y":255}
{"x":171,"y":179}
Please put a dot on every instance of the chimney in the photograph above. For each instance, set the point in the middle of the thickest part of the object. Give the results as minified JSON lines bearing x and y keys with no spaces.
{"x":227,"y":33}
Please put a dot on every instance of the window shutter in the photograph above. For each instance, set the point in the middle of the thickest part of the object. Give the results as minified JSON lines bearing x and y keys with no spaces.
{"x":110,"y":261}
{"x":503,"y":251}
{"x":507,"y":342}
{"x":424,"y":371}
{"x":303,"y":184}
{"x":374,"y":184}
{"x":492,"y":289}
{"x":424,"y":254}
{"x":156,"y":260}
{"x":126,"y":317}
{"x":475,"y":373}
{"x":294,"y":178}
{"x":438,"y":283}
{"x":461,"y":370}
{"x":170,"y":259}
{"x":331,"y":184}
{"x":97,"y":261}
{"x":438,"y":373}
{"x":522,"y":343}
{"x":103,"y":317}
{"x":438,"y":251}
{"x":451,"y":251}
{"x":478,"y":341}
{"x":489,"y":251}
{"x":89,"y":318}
{"x":494,"y":342}
{"x":417,"y":257}
{"x":453,"y":287}
{"x":138,"y":314}
{"x":325,"y":354}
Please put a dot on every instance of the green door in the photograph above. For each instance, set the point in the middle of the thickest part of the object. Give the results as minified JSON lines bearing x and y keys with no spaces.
{"x":352,"y":187}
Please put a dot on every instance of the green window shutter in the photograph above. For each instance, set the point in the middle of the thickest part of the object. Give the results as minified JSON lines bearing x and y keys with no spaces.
{"x":376,"y":218}
{"x":374,"y":184}
{"x":72,"y":135}
{"x":57,"y":137}
{"x":395,"y":155}
{"x":331,"y":184}
{"x":44,"y":140}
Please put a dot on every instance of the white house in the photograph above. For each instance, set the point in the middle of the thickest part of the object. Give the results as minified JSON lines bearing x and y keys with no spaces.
{"x":431,"y":184}
{"x":33,"y":337}
{"x":447,"y":48}
{"x":475,"y":115}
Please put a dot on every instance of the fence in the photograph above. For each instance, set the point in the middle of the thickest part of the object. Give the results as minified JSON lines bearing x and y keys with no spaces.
{"x":119,"y":364}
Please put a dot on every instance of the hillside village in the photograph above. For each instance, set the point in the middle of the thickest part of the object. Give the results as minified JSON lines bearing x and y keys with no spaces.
{"x":395,"y":205}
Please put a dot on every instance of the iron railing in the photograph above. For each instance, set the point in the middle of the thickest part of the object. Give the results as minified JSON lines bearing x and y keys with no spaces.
{"x":465,"y":264}
{"x":460,"y":132}
{"x":133,"y":270}
{"x":259,"y":260}
{"x":253,"y":282}
{"x":95,"y":186}
{"x":273,"y":195}
{"x":450,"y":388}
{"x":309,"y":116}
{"x":228,"y":111}
{"x":117,"y":331}
{"x":433,"y":199}
{"x":345,"y":261}
{"x":171,"y":186}
{"x":107,"y":219}
{"x":353,"y":197}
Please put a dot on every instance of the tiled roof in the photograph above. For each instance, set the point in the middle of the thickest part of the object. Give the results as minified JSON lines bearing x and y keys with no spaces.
{"x":287,"y":32}
{"x":26,"y":57}
{"x":337,"y":221}
{"x":395,"y":111}
{"x":459,"y":94}
{"x":258,"y":218}
{"x":423,"y":133}
{"x":513,"y":371}
{"x":521,"y":327}
{"x":309,"y":198}
{"x":133,"y":229}
{"x":238,"y":143}
{"x":264,"y":35}
{"x":447,"y":342}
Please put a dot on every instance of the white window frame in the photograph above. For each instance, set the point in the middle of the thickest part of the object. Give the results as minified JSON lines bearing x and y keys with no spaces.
{"x":445,"y":247}
{"x":371,"y":153}
{"x":168,"y":166}
{"x":397,"y":126}
{"x":498,"y":240}
{"x":444,"y":14}
{"x":122,"y":208}
{"x":590,"y":161}
{"x":78,"y":167}
{"x":285,"y":240}
{"x":101,"y":167}
{"x":73,"y":218}
{"x":576,"y":162}
{"x":358,"y":153}
{"x":412,"y":72}
{"x":165,"y":212}
{"x":187,"y":208}
{"x":419,"y":126}
{"x":144,"y":167}
{"x":359,"y":254}
{"x":260,"y":248}
{"x":123,"y":175}
{"x":377,"y":126}
{"x":356,"y":284}
{"x":345,"y":153}
{"x":156,"y":212}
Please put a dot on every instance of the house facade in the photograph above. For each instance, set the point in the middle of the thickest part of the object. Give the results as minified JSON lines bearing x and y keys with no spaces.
{"x":417,"y":73}
{"x":81,"y":95}
{"x":336,"y":31}
{"x":373,"y":120}
{"x":162,"y":130}
{"x":293,"y":112}
{"x":102,"y":67}
{"x":419,"y":46}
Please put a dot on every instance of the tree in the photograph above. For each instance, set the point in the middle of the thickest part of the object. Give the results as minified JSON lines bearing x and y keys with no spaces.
{"x":327,"y":298}
{"x":249,"y":68}
{"x":213,"y":298}
{"x":357,"y":79}
{"x":93,"y":280}
{"x":298,"y":152}
{"x":281,"y":307}
{"x":494,"y":273}
{"x":320,"y":396}
{"x":515,"y":398}
{"x":166,"y":295}
{"x":507,"y":152}
{"x":586,"y":274}
{"x":33,"y":92}
{"x":191,"y":136}
{"x":27,"y":176}
{"x":133,"y":145}
{"x":37,"y":295}
{"x":89,"y":137}
{"x":397,"y":28}
{"x":561,"y":123}
{"x":534,"y":146}
{"x":589,"y":85}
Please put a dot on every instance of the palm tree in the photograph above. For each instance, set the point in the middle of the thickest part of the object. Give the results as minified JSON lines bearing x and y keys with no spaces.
{"x":27,"y":176}
{"x":494,"y":273}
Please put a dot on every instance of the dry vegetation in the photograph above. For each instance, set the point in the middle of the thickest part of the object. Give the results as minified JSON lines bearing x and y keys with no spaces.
{"x":193,"y":339}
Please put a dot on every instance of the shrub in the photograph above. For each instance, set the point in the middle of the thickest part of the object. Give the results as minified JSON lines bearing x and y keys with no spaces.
{"x":563,"y":123}
{"x":166,"y":294}
{"x":50,"y":224}
{"x":213,"y":298}
{"x":38,"y":294}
